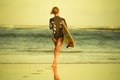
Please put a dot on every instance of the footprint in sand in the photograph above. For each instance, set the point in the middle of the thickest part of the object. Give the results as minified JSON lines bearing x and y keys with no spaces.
{"x":25,"y":76}
{"x":36,"y":73}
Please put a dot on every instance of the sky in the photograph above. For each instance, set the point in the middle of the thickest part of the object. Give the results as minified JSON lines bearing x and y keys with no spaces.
{"x":76,"y":12}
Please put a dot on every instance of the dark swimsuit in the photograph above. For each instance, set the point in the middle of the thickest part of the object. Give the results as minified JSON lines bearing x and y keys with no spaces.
{"x":56,"y":26}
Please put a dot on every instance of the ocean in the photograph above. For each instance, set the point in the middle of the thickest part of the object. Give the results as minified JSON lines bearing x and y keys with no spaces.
{"x":91,"y":45}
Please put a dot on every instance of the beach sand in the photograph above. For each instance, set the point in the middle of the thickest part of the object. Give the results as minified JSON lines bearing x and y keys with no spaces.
{"x":62,"y":72}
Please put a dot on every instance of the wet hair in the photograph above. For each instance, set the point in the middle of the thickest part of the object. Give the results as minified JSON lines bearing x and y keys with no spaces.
{"x":54,"y":10}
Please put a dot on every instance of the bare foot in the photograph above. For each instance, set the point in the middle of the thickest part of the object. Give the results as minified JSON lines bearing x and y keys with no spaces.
{"x":54,"y":64}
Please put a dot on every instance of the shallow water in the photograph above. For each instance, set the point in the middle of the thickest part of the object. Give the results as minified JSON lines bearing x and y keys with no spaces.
{"x":36,"y":45}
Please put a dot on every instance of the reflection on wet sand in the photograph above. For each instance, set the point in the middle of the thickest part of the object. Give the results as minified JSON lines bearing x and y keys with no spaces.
{"x":56,"y":76}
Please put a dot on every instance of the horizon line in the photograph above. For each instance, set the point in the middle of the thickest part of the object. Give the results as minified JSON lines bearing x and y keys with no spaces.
{"x":47,"y":26}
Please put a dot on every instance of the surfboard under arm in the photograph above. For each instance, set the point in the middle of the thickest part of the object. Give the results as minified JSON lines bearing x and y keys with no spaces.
{"x":67,"y":36}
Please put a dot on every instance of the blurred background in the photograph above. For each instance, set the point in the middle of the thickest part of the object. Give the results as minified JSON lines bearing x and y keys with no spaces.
{"x":78,"y":13}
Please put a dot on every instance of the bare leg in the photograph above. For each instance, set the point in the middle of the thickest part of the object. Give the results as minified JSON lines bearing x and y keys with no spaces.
{"x":56,"y":76}
{"x":57,"y":50}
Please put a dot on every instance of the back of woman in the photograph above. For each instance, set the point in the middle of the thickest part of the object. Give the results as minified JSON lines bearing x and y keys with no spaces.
{"x":57,"y":35}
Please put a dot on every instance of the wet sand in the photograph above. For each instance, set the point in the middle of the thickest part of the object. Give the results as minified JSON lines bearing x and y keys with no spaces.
{"x":62,"y":72}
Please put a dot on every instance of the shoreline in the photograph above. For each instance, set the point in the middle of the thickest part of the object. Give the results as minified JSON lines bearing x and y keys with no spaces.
{"x":81,"y":58}
{"x":70,"y":63}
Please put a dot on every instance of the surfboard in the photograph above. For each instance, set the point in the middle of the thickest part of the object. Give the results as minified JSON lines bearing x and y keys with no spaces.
{"x":67,"y":36}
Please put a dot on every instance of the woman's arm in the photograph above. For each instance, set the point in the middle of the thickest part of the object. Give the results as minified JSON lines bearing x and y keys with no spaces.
{"x":50,"y":24}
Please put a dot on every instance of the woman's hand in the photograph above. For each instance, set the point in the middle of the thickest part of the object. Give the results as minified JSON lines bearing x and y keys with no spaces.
{"x":54,"y":40}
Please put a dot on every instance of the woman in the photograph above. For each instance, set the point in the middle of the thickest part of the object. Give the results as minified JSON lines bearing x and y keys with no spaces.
{"x":57,"y":36}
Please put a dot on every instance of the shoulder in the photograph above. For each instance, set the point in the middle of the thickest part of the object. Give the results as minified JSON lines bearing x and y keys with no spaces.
{"x":51,"y":19}
{"x":62,"y":18}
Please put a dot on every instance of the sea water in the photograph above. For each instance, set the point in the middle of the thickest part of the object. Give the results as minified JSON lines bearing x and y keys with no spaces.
{"x":90,"y":44}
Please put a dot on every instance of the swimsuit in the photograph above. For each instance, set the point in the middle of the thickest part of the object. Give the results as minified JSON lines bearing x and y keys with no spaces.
{"x":56,"y":26}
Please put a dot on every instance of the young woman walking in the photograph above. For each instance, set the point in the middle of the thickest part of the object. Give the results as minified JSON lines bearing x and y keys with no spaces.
{"x":55,"y":24}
